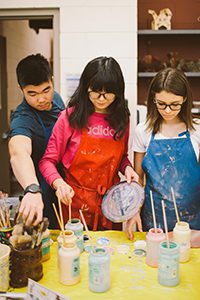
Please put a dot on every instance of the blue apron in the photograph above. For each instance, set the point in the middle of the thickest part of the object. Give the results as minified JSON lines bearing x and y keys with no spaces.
{"x":171,"y":163}
{"x":48,"y":194}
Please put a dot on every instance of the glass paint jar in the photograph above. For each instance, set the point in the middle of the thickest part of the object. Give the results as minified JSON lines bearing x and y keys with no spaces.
{"x":5,"y":234}
{"x":99,"y":270}
{"x":77,"y":227}
{"x":182,"y":236}
{"x":168,"y":265}
{"x":46,"y":245}
{"x":69,"y":237}
{"x":69,"y":263}
{"x":153,"y":240}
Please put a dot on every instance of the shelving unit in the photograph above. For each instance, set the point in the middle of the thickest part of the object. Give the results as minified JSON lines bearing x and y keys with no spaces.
{"x":183,"y":39}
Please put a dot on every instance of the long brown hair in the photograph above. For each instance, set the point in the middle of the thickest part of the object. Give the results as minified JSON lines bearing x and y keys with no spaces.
{"x":172,"y":81}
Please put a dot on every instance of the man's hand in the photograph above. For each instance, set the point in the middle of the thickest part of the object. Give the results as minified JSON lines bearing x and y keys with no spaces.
{"x":130,"y":174}
{"x":129,"y":225}
{"x":31,"y":208}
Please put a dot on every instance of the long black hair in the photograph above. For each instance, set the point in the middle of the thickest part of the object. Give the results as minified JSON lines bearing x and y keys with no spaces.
{"x":100,"y":74}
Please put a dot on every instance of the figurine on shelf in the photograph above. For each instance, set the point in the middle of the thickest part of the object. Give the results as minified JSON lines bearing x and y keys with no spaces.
{"x":172,"y":59}
{"x":150,"y":63}
{"x":161,"y":21}
{"x":189,"y":65}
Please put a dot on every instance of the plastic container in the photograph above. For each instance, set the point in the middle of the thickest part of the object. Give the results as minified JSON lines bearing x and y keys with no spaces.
{"x":77,"y":227}
{"x":5,"y":234}
{"x":168,"y":266}
{"x":69,"y":263}
{"x":153,"y":240}
{"x":182,"y":236}
{"x":46,"y":245}
{"x":99,"y":270}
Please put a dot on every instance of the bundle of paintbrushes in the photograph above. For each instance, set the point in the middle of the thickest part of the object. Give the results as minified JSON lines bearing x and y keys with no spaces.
{"x":28,"y":237}
{"x":5,"y":212}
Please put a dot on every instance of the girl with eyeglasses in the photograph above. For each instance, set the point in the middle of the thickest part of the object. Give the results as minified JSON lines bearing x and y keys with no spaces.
{"x":166,"y":153}
{"x":90,"y":138}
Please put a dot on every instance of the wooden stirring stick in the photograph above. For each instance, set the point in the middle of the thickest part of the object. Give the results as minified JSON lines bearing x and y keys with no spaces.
{"x":70,"y":211}
{"x":61,"y":215}
{"x":165,"y":223}
{"x":153,"y":212}
{"x":175,"y":206}
{"x":57,"y":216}
{"x":60,"y":219}
{"x":84,"y":223}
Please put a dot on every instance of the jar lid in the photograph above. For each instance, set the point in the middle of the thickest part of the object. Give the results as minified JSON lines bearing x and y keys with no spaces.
{"x":140,"y":244}
{"x":139,"y":252}
{"x":122,"y":201}
{"x":123,"y":249}
{"x":103,"y":241}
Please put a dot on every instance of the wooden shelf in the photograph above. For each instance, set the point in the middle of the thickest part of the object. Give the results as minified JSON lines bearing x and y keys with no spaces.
{"x":173,"y":31}
{"x":152,"y":74}
{"x":195,"y":110}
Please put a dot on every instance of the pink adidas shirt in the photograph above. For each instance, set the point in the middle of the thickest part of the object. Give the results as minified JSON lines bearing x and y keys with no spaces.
{"x":64,"y":142}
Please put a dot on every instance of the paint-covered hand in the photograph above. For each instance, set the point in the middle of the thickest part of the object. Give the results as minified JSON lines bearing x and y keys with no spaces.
{"x":130,"y":174}
{"x":129,"y":225}
{"x":31,"y":208}
{"x":64,"y":191}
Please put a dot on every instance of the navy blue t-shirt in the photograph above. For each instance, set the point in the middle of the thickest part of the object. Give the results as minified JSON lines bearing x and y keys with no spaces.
{"x":25,"y":120}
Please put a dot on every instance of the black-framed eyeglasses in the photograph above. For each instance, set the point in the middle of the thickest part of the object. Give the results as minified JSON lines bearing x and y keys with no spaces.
{"x":162,"y":105}
{"x":96,"y":95}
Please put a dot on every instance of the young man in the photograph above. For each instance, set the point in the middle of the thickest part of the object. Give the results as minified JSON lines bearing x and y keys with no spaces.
{"x":31,"y":126}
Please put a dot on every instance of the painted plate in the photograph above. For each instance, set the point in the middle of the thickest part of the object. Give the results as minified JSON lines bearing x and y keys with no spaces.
{"x":122,"y":201}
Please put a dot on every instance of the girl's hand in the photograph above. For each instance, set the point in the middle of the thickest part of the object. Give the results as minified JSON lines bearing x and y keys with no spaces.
{"x":130,"y":175}
{"x":64,"y":191}
{"x":3,"y":195}
{"x":129,"y":225}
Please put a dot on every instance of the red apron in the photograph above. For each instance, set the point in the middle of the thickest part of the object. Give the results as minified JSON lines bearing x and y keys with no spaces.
{"x":92,"y":172}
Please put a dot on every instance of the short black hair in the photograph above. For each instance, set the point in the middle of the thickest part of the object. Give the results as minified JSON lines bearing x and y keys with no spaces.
{"x":33,"y":69}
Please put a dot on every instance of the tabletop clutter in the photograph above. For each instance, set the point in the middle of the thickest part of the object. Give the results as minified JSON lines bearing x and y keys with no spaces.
{"x":25,"y":248}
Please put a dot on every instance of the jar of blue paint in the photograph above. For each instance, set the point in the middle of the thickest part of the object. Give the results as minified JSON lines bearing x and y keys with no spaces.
{"x":168,"y":264}
{"x":99,"y":270}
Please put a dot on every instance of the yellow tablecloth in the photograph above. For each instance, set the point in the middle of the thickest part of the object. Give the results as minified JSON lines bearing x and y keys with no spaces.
{"x":131,"y":278}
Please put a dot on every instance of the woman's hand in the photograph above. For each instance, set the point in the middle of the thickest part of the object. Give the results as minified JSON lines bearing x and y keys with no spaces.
{"x":3,"y":195}
{"x":64,"y":191}
{"x":130,"y":175}
{"x":129,"y":225}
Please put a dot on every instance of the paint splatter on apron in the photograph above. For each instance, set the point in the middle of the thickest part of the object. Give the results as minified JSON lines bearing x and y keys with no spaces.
{"x":92,"y":172}
{"x":172,"y":163}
